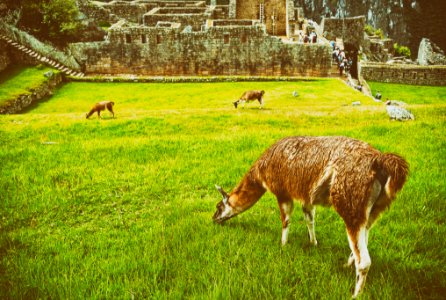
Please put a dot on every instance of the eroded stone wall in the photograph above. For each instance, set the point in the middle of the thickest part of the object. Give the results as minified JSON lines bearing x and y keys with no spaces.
{"x":250,"y":9}
{"x":240,"y":50}
{"x":351,"y":30}
{"x":4,"y":56}
{"x":404,"y":74}
{"x":34,"y":95}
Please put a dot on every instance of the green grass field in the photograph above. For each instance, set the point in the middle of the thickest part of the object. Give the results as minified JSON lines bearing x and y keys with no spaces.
{"x":121,"y":208}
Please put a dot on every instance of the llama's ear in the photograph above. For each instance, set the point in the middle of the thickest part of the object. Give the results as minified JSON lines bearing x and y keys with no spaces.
{"x":223,"y":193}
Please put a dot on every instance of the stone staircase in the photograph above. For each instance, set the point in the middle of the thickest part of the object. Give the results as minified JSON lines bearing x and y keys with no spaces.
{"x":48,"y":61}
{"x":340,"y":43}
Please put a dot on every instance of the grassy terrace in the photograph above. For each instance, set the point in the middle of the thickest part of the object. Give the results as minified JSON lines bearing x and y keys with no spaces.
{"x":121,"y":208}
{"x":17,"y":80}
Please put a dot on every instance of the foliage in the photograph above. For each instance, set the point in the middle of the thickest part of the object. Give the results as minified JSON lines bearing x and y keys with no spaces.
{"x":55,"y":20}
{"x":371,"y":31}
{"x":401,"y":50}
{"x":121,"y":208}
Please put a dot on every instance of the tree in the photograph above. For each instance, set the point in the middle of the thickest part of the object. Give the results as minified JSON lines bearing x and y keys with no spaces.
{"x":62,"y":19}
{"x":54,"y":20}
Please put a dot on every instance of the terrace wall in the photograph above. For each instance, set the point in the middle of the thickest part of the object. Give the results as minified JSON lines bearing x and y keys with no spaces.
{"x":240,"y":50}
{"x":4,"y":57}
{"x":405,"y":74}
{"x":34,"y":95}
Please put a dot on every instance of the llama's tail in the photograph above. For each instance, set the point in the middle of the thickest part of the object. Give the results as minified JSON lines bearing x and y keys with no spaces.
{"x":396,"y":170}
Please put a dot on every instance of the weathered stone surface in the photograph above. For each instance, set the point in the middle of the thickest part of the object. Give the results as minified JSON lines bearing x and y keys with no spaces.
{"x":430,"y":54}
{"x":404,"y":21}
{"x":23,"y":101}
{"x":4,"y":57}
{"x":349,"y":29}
{"x":405,"y":74}
{"x":225,"y":50}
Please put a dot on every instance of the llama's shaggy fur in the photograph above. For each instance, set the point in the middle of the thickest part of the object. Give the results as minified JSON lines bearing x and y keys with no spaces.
{"x":350,"y":175}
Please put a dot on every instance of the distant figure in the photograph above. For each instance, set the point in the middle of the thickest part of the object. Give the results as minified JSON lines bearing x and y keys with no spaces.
{"x":295,"y":94}
{"x":341,"y":68}
{"x":100,"y":106}
{"x":378,"y":95}
{"x":398,"y":113}
{"x":250,"y":96}
{"x":314,"y":38}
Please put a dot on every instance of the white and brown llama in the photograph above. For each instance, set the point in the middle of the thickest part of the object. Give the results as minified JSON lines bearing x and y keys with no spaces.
{"x":350,"y":175}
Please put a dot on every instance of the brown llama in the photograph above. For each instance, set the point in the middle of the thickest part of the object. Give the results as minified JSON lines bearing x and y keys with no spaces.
{"x":100,"y":106}
{"x":250,"y":96}
{"x":350,"y":175}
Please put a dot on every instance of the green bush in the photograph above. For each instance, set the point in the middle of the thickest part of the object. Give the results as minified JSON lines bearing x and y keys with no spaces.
{"x":379,"y":33}
{"x":401,"y":50}
{"x":370,"y":30}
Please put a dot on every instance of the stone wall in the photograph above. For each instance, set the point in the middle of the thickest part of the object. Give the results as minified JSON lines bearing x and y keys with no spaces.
{"x":34,"y":95}
{"x":250,"y":9}
{"x":404,"y":74}
{"x":193,"y":16}
{"x":43,"y":49}
{"x":233,"y":50}
{"x":4,"y":57}
{"x":351,"y":30}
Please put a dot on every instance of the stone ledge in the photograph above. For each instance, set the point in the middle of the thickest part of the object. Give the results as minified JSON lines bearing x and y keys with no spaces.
{"x":181,"y":79}
{"x":34,"y":95}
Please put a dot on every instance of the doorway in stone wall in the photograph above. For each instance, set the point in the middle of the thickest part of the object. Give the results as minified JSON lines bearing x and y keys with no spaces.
{"x":351,"y":52}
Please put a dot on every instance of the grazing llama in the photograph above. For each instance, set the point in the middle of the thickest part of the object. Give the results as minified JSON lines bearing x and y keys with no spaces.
{"x":100,"y":106}
{"x":350,"y":175}
{"x":250,"y":96}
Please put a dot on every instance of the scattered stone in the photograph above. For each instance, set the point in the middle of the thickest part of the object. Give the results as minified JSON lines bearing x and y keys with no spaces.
{"x":430,"y":54}
{"x":295,"y":94}
{"x":356,"y":103}
{"x":49,"y":74}
{"x":398,"y":113}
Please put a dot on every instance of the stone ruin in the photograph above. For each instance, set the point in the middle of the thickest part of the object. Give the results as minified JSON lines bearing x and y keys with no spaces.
{"x":239,"y":37}
{"x":228,"y":37}
{"x":430,"y":54}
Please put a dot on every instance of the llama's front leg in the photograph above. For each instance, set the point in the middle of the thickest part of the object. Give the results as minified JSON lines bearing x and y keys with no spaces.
{"x":358,"y":244}
{"x":309,"y":214}
{"x":286,"y":206}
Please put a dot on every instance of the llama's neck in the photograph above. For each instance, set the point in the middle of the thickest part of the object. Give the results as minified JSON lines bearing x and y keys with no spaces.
{"x":247,"y":193}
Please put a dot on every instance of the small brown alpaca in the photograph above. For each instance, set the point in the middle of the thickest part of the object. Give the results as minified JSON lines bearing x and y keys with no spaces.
{"x":100,"y":106}
{"x":250,"y":96}
{"x":356,"y":179}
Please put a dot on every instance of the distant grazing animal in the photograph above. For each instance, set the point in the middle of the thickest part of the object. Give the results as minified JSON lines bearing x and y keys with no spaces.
{"x":397,"y":112}
{"x":100,"y":106}
{"x":250,"y":96}
{"x":350,"y":175}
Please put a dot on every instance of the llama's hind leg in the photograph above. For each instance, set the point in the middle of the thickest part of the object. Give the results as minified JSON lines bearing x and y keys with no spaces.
{"x":309,"y":214}
{"x":358,"y":244}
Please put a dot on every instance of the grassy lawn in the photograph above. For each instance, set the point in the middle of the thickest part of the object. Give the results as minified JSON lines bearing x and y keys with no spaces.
{"x":18,"y":80}
{"x":121,"y":208}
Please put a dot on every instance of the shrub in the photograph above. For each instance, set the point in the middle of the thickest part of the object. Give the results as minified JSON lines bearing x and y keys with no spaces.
{"x":401,"y":50}
{"x":370,"y":30}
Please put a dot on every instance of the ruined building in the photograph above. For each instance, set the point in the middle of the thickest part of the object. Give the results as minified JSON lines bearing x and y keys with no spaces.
{"x":241,"y":37}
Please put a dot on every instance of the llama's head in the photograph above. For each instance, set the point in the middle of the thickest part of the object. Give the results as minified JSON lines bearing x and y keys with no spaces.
{"x":224,"y":210}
